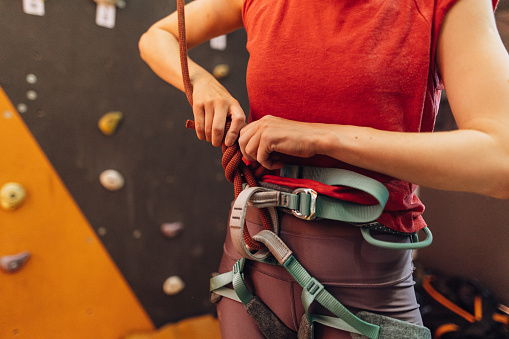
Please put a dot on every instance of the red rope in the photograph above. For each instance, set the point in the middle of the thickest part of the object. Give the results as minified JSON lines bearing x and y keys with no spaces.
{"x":188,"y":87}
{"x":237,"y":172}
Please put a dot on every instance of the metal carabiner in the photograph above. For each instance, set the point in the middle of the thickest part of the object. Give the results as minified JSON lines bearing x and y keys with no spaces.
{"x":312,"y":204}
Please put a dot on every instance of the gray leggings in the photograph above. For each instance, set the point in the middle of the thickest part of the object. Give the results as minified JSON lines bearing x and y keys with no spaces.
{"x":359,"y":275}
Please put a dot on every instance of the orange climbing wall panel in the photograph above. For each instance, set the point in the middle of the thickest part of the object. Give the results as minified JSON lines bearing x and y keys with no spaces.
{"x":69,"y":288}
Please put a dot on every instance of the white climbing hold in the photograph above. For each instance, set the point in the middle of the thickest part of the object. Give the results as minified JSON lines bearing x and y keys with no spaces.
{"x":12,"y":195}
{"x":13,"y":263}
{"x":22,"y":108}
{"x":173,"y":285}
{"x":31,"y":95}
{"x":111,"y":180}
{"x":171,"y":229}
{"x":31,"y":78}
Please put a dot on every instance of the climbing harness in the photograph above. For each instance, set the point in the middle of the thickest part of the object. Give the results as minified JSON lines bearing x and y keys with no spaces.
{"x":267,"y":247}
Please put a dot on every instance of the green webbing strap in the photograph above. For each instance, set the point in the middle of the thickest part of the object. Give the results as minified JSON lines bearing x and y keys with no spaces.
{"x":240,"y":291}
{"x":220,"y":280}
{"x":313,"y":290}
{"x":348,"y":211}
{"x":416,"y":244}
{"x":218,"y":283}
{"x":239,"y":285}
{"x":335,"y":209}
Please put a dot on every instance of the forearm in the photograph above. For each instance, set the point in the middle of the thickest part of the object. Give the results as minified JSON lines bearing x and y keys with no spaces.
{"x":160,"y":50}
{"x":462,"y":160}
{"x":212,"y":103}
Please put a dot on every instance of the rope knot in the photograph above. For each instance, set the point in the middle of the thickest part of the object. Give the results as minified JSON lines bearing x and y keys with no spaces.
{"x":238,"y":173}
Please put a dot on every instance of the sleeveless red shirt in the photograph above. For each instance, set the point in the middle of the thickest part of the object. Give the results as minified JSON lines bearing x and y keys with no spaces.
{"x":352,"y":62}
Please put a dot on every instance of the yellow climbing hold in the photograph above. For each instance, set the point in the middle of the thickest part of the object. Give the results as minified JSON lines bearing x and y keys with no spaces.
{"x":12,"y":195}
{"x":109,"y":122}
{"x":221,"y":71}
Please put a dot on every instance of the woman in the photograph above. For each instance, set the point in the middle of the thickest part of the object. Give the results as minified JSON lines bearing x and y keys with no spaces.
{"x":355,"y":85}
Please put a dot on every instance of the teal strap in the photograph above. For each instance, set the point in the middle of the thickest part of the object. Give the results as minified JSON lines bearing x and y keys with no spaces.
{"x":313,"y":290}
{"x":352,"y":212}
{"x":240,"y":291}
{"x":218,"y":283}
{"x":228,"y":293}
{"x":335,"y":209}
{"x":334,"y":322}
{"x":239,"y":285}
{"x":220,"y":280}
{"x":365,"y":231}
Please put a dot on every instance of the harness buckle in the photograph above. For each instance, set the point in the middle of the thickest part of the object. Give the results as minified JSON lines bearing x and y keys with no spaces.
{"x":312,"y":204}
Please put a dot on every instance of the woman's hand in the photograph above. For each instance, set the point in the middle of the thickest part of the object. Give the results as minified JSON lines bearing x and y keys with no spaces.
{"x":266,"y":139}
{"x":212,"y":104}
{"x":159,"y":48}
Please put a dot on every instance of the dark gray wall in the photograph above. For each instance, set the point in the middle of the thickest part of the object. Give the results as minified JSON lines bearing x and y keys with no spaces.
{"x":85,"y":71}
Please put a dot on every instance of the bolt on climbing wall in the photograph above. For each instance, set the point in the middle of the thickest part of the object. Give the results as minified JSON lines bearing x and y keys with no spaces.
{"x":155,"y":197}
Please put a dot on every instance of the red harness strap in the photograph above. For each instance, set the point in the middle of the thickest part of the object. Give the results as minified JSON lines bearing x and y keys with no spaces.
{"x":236,"y":171}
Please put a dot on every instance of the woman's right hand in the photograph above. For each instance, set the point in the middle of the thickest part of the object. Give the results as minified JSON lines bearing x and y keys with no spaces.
{"x":159,"y":48}
{"x":212,"y":104}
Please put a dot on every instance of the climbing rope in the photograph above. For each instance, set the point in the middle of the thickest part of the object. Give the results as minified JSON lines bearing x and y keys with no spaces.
{"x":236,"y":171}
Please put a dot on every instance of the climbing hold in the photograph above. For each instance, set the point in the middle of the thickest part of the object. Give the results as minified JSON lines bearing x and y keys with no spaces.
{"x":31,"y":95}
{"x":22,"y":108}
{"x":136,"y":234}
{"x":111,"y":180}
{"x":13,"y":263}
{"x":171,"y":229}
{"x":173,"y":285}
{"x":121,"y":4}
{"x":109,"y":122}
{"x":31,"y":78}
{"x":12,"y":195}
{"x":221,"y":71}
{"x":219,"y":43}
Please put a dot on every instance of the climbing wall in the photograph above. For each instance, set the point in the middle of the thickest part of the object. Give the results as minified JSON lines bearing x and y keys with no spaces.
{"x":63,"y":72}
{"x":57,"y":280}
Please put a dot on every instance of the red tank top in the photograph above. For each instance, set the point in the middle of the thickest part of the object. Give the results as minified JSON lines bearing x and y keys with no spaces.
{"x":365,"y":63}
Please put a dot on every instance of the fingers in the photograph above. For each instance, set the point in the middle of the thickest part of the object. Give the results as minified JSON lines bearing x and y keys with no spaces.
{"x":212,"y":105}
{"x":238,"y":121}
{"x":215,"y":119}
{"x":199,"y":120}
{"x":210,"y":120}
{"x":248,"y":141}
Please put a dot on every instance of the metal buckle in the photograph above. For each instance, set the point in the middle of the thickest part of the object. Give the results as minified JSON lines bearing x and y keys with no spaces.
{"x":312,"y":205}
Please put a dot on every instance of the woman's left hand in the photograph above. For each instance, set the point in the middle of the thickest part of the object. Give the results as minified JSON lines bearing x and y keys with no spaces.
{"x":266,"y":139}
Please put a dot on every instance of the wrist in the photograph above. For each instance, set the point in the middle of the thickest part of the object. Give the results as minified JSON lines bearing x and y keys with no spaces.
{"x":199,"y":74}
{"x":326,"y":141}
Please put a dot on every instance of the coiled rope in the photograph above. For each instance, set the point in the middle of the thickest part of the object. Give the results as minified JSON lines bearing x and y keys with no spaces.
{"x":236,"y":171}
